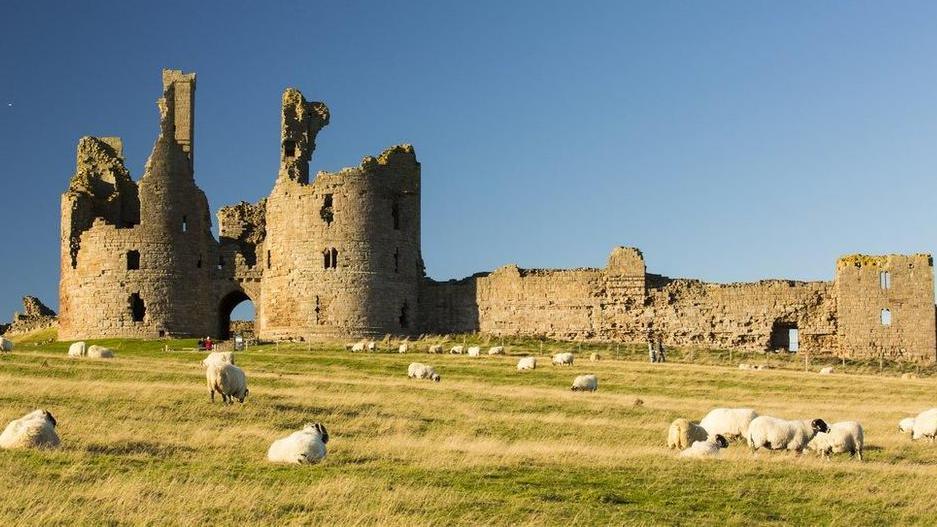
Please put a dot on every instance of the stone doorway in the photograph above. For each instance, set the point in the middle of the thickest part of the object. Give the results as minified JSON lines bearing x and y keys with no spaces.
{"x":238,"y":306}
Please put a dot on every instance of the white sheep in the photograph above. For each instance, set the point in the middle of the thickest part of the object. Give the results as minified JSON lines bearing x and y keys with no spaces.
{"x":305,"y":446}
{"x":219,"y":358}
{"x":745,"y":366}
{"x":100,"y":352}
{"x":595,"y":357}
{"x":496,"y":350}
{"x":34,"y":430}
{"x":925,"y":425}
{"x":474,"y":351}
{"x":78,"y":349}
{"x":372,"y":346}
{"x":704,"y":449}
{"x":228,"y":380}
{"x":845,"y":436}
{"x":403,"y":348}
{"x":778,"y":434}
{"x":585,"y":383}
{"x":826,"y":371}
{"x":762,"y":367}
{"x":457,"y":350}
{"x":683,"y":433}
{"x":6,"y":344}
{"x":908,"y":376}
{"x":731,"y":423}
{"x":527,"y":363}
{"x":435,"y":348}
{"x":419,"y":370}
{"x":906,"y":425}
{"x":563,"y":359}
{"x":359,"y":346}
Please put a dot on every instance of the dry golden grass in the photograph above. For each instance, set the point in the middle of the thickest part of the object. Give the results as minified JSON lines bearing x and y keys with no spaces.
{"x":487,"y":445}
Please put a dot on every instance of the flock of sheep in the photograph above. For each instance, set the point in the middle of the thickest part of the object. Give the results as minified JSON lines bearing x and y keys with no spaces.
{"x":702,"y":439}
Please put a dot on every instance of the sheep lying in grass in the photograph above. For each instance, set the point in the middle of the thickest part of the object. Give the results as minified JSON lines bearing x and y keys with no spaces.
{"x":372,"y":346}
{"x":99,"y":352}
{"x":435,"y":348}
{"x":585,"y":383}
{"x":359,"y":346}
{"x":496,"y":350}
{"x":457,"y":350}
{"x":908,"y":376}
{"x":925,"y":425}
{"x":78,"y":349}
{"x":527,"y":363}
{"x":565,"y":358}
{"x":842,"y":437}
{"x":219,"y":358}
{"x":704,"y":449}
{"x":778,"y":434}
{"x":403,"y":348}
{"x":228,"y":380}
{"x":6,"y":344}
{"x":306,"y":446}
{"x":475,"y":351}
{"x":731,"y":423}
{"x":906,"y":425}
{"x":826,"y":371}
{"x":33,"y":430}
{"x":418,"y":370}
{"x":683,"y":433}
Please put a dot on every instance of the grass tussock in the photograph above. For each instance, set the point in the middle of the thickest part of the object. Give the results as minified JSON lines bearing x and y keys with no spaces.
{"x":488,"y":445}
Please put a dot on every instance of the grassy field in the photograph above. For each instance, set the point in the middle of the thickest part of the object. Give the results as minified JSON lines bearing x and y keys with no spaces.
{"x":487,"y":446}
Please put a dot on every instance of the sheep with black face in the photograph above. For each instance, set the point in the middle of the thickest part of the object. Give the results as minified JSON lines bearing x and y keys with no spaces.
{"x":779,"y":434}
{"x":708,"y":448}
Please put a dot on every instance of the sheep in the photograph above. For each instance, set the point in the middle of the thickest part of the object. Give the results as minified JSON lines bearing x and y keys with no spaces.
{"x":925,"y":425}
{"x":422,"y":371}
{"x":358,"y":347}
{"x":403,"y":348}
{"x":906,"y":425}
{"x":732,"y":423}
{"x":435,"y":348}
{"x":372,"y":346}
{"x":777,"y":434}
{"x":305,"y":446}
{"x":744,"y":366}
{"x":762,"y":367}
{"x":595,"y":357}
{"x":100,"y":352}
{"x":585,"y":383}
{"x":78,"y":349}
{"x":683,"y":433}
{"x":908,"y":376}
{"x":6,"y":344}
{"x":527,"y":363}
{"x":842,"y":437}
{"x":826,"y":371}
{"x":228,"y":380}
{"x":219,"y":358}
{"x":563,"y":359}
{"x":496,"y":350}
{"x":457,"y":350}
{"x":474,"y":351}
{"x":704,"y":449}
{"x":34,"y":430}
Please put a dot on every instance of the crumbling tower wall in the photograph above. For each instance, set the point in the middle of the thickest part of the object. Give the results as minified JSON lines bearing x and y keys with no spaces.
{"x":341,"y":254}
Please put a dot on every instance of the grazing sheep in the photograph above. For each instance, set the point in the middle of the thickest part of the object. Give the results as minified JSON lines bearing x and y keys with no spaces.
{"x":908,"y":376}
{"x":826,"y":371}
{"x":595,"y":357}
{"x":34,"y":430}
{"x":305,"y":446}
{"x":78,"y":349}
{"x":219,"y":358}
{"x":906,"y":425}
{"x":842,"y":437}
{"x":761,"y":367}
{"x":474,"y":351}
{"x":585,"y":383}
{"x":731,"y":423}
{"x":228,"y":380}
{"x":527,"y":363}
{"x":372,"y":346}
{"x":403,"y":348}
{"x":418,"y":370}
{"x":778,"y":434}
{"x":925,"y":425}
{"x":6,"y":344}
{"x":457,"y":350}
{"x":496,"y":350}
{"x":744,"y":366}
{"x":435,"y":348}
{"x":358,"y":347}
{"x":563,"y":359}
{"x":100,"y":352}
{"x":704,"y":449}
{"x":683,"y":433}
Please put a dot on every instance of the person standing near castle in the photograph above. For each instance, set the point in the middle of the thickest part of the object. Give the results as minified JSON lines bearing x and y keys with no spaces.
{"x":660,"y":349}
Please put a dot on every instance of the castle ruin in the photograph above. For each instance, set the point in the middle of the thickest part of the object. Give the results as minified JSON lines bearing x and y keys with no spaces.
{"x":339,"y":256}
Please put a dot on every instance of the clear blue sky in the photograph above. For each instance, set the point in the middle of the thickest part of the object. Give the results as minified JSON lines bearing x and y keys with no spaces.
{"x":730,"y":141}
